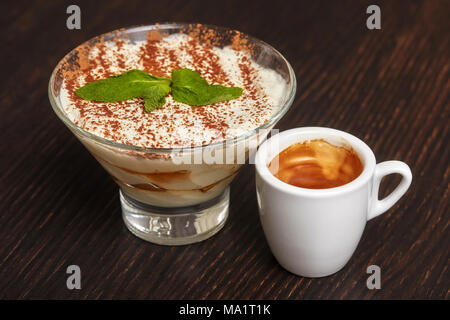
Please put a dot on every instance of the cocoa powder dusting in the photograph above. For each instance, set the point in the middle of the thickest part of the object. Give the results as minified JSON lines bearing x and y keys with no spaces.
{"x":112,"y":120}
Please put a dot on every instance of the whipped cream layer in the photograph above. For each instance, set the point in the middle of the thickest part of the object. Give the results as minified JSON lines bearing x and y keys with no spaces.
{"x":175,"y":124}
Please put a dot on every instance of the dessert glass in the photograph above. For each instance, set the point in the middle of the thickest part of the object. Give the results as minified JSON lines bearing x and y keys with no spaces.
{"x":176,"y":196}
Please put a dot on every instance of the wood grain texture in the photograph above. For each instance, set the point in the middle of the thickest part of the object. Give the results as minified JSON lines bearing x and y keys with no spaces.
{"x":389,"y":87}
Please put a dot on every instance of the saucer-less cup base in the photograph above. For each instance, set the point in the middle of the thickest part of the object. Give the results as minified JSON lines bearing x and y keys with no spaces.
{"x":180,"y":226}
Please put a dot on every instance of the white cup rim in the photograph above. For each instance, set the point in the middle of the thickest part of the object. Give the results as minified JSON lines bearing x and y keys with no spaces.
{"x":267,"y":151}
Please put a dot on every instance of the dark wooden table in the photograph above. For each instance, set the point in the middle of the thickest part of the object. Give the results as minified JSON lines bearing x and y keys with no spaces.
{"x":390,"y":87}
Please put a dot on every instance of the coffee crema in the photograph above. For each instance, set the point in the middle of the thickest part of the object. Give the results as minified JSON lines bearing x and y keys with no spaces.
{"x":316,"y":164}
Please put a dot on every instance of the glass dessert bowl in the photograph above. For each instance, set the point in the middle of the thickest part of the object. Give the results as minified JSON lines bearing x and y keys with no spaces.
{"x":174,"y":188}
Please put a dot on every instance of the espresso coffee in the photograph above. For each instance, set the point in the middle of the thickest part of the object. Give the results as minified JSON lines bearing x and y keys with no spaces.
{"x":316,"y":164}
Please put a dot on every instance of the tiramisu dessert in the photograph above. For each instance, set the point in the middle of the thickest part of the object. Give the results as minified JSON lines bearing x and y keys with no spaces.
{"x":145,"y":108}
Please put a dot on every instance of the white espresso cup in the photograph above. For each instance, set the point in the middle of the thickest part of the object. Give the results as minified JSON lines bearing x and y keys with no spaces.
{"x":314,"y":232}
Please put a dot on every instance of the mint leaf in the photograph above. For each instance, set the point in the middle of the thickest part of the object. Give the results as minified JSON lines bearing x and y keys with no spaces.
{"x":190,"y":88}
{"x":154,"y":97}
{"x":129,"y":85}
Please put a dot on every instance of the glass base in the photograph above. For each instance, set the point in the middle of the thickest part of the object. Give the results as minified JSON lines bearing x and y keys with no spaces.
{"x":175,"y":226}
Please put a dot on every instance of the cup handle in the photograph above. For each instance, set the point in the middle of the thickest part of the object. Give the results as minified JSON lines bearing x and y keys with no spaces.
{"x":381,"y":170}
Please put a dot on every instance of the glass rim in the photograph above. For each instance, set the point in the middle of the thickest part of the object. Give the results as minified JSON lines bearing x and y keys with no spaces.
{"x":57,"y":108}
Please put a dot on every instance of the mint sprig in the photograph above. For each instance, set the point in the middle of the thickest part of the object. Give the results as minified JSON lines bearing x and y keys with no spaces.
{"x":187,"y":86}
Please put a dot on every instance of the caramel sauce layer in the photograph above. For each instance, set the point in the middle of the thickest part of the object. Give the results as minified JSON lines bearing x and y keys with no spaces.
{"x":316,"y":164}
